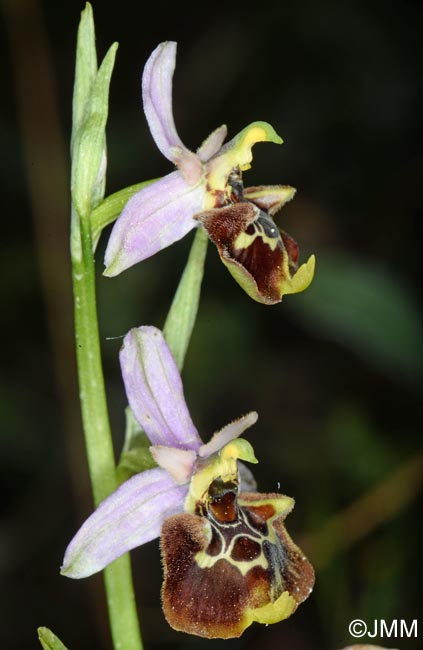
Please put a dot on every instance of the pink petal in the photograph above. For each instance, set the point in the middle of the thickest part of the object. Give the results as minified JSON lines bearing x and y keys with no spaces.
{"x":157,"y":99}
{"x":178,"y":462}
{"x":154,"y":390}
{"x":131,"y":516}
{"x":155,"y":217}
{"x":228,"y":433}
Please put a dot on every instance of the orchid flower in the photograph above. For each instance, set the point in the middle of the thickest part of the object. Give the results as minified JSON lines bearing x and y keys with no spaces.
{"x":228,"y":559}
{"x":207,"y":191}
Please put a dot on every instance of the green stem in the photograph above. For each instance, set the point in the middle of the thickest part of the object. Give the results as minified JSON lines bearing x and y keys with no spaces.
{"x":101,"y":461}
{"x":183,"y":311}
{"x":88,"y":149}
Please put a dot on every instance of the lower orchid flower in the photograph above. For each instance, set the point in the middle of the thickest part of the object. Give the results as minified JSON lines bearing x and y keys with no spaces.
{"x":228,"y":559}
{"x":207,"y":190}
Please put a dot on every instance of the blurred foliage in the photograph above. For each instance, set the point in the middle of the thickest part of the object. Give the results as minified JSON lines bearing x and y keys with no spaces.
{"x":368,"y":309}
{"x":334,"y":373}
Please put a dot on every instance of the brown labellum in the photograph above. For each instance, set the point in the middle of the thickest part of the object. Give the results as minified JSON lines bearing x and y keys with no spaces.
{"x":232,"y":563}
{"x":259,"y":256}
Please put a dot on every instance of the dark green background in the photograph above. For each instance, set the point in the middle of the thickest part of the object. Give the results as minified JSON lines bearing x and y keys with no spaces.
{"x":332,"y":372}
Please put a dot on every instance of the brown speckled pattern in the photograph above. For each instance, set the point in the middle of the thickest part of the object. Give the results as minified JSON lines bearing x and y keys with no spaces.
{"x":234,"y":556}
{"x":262,"y":261}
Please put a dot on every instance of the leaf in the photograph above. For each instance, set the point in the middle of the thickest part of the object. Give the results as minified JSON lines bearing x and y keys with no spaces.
{"x":136,"y":456}
{"x":135,"y":438}
{"x":133,"y":462}
{"x":48,"y":640}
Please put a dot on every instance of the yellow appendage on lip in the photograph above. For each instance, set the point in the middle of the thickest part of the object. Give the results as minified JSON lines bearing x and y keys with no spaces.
{"x":272,"y":612}
{"x":301,"y":278}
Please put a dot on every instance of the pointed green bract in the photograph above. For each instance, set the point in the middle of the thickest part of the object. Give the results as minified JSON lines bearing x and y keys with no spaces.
{"x":90,"y":110}
{"x":86,"y":66}
{"x":48,"y":640}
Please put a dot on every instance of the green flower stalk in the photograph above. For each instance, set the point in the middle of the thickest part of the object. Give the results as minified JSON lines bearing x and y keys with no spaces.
{"x":88,"y":152}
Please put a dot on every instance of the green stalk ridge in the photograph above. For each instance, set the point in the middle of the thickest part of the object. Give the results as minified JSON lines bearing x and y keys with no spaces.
{"x":90,"y":108}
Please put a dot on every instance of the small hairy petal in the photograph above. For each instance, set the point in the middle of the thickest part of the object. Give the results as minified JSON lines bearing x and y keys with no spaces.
{"x":212,"y":143}
{"x":154,"y":390}
{"x":190,"y":166}
{"x":228,"y":433}
{"x":157,"y":98}
{"x":155,"y":217}
{"x":131,"y":516}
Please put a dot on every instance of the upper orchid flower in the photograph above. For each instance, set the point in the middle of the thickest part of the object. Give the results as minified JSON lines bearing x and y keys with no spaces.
{"x":207,"y":190}
{"x":228,"y":559}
